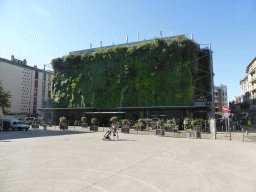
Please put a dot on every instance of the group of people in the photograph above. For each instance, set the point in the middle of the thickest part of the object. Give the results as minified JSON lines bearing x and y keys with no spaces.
{"x":108,"y":133}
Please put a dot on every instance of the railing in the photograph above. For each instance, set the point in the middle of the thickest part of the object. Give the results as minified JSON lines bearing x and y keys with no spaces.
{"x":252,"y":78}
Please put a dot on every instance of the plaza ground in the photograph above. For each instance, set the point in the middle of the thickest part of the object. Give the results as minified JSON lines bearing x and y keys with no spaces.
{"x":76,"y":160}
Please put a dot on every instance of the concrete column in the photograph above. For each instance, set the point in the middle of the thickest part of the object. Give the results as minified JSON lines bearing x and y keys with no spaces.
{"x":141,"y":114}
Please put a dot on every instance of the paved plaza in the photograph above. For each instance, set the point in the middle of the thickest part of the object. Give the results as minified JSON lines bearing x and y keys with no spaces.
{"x":54,"y":160}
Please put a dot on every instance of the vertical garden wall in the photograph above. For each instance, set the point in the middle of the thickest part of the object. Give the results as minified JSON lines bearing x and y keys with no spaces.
{"x":157,"y":73}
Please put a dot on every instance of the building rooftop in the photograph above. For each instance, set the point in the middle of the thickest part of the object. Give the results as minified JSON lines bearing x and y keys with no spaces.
{"x":124,"y":44}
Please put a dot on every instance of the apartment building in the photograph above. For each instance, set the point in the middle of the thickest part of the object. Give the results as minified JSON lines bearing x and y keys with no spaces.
{"x":25,"y":84}
{"x":220,"y":97}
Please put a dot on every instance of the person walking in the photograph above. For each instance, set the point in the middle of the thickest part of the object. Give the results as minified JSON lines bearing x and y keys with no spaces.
{"x":114,"y":130}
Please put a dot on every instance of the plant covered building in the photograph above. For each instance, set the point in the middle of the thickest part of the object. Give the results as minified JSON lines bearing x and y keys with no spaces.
{"x":169,"y":77}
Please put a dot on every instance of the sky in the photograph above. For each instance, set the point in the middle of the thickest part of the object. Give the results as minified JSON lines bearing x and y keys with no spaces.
{"x":42,"y":30}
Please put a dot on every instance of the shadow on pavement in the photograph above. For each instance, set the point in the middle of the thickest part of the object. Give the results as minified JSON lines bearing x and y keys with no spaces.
{"x":35,"y":133}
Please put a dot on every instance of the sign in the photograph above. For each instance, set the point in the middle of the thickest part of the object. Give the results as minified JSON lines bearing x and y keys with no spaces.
{"x":213,"y":128}
{"x":226,"y":109}
{"x":226,"y":115}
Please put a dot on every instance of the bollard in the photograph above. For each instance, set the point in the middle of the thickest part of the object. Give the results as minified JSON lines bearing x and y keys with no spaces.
{"x":226,"y":134}
{"x":233,"y":129}
{"x":243,"y":133}
{"x":222,"y":129}
{"x":246,"y":132}
{"x":74,"y":127}
{"x":103,"y":128}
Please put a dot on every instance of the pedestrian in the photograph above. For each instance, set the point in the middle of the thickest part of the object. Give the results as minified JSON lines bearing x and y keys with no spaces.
{"x":116,"y":135}
{"x":114,"y":130}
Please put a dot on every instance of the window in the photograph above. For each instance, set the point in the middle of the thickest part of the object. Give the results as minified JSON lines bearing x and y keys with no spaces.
{"x":36,"y":83}
{"x":36,"y":75}
{"x":35,"y":101}
{"x":35,"y":92}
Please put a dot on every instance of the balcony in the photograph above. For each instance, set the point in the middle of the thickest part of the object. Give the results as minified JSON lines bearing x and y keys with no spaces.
{"x":252,"y":69}
{"x":252,"y":78}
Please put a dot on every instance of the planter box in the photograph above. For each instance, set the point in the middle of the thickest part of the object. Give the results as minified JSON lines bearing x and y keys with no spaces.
{"x":84,"y":125}
{"x":35,"y":126}
{"x":92,"y":128}
{"x":195,"y":134}
{"x":125,"y":130}
{"x":169,"y":129}
{"x":63,"y":127}
{"x":160,"y":132}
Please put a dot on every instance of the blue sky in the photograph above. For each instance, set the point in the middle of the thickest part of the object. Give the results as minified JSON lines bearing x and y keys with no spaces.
{"x":41,"y":30}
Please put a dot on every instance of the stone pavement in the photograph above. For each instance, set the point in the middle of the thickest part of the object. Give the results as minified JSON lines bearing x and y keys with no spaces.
{"x":49,"y":160}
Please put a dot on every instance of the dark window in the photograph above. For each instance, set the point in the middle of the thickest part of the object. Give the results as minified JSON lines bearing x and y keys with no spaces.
{"x":36,"y":83}
{"x":36,"y":75}
{"x":35,"y":101}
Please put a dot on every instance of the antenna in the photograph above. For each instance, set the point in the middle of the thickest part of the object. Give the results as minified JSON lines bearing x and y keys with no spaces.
{"x":113,"y":43}
{"x":90,"y":45}
{"x":191,"y":36}
{"x":171,"y":33}
{"x":138,"y":37}
{"x":127,"y":39}
{"x":100,"y":43}
{"x":161,"y":31}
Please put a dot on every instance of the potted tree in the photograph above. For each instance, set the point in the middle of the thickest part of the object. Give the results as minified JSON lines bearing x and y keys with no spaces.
{"x":43,"y":123}
{"x":94,"y":121}
{"x":84,"y":124}
{"x":171,"y":125}
{"x":35,"y":126}
{"x":194,"y":134}
{"x":138,"y":125}
{"x":187,"y":123}
{"x":160,"y":125}
{"x":63,"y":124}
{"x":125,"y":127}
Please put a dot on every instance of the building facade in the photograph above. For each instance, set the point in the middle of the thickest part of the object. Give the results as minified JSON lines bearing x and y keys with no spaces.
{"x":251,"y":68}
{"x":25,"y":84}
{"x":220,"y":98}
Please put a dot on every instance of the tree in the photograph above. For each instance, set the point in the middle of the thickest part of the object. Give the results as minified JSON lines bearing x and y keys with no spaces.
{"x":4,"y":99}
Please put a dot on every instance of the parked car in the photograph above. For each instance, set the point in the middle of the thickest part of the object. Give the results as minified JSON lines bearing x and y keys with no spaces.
{"x":14,"y":124}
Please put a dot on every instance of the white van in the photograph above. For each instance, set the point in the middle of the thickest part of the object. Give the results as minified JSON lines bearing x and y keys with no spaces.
{"x":14,"y":124}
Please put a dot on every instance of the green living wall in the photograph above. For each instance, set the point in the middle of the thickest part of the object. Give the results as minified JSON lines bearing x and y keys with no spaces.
{"x":157,"y":73}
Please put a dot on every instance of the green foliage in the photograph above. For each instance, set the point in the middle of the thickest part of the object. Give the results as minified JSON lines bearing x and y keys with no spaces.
{"x":202,"y":121}
{"x":160,"y":123}
{"x":35,"y":120}
{"x":124,"y":122}
{"x":83,"y":119}
{"x":4,"y":99}
{"x":114,"y":119}
{"x":157,"y":73}
{"x":63,"y":120}
{"x":94,"y":121}
{"x":165,"y":127}
{"x":19,"y":118}
{"x":194,"y":122}
{"x":170,"y":121}
{"x":187,"y":119}
{"x":26,"y":118}
{"x":140,"y":120}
